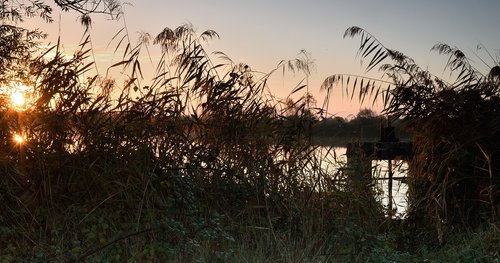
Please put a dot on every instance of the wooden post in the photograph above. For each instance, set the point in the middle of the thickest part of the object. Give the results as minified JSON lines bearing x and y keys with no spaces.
{"x":359,"y":168}
{"x":389,"y":186}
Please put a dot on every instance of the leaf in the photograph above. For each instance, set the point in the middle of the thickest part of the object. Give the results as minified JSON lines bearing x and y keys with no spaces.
{"x":119,"y":44}
{"x":137,"y":66}
{"x":85,"y":42}
{"x":120,"y":63}
{"x":298,"y":88}
{"x":354,"y":88}
{"x":91,"y":81}
{"x":84,"y":68}
{"x":367,"y":90}
{"x":380,"y":52}
{"x":387,"y":94}
{"x":376,"y":95}
{"x":361,"y":89}
{"x":375,"y":63}
{"x":218,"y":66}
{"x":208,"y":35}
{"x":363,"y":44}
{"x":368,"y":50}
{"x":117,"y":34}
{"x":126,"y":50}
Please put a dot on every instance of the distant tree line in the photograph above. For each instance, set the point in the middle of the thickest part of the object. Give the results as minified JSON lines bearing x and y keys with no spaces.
{"x":365,"y":126}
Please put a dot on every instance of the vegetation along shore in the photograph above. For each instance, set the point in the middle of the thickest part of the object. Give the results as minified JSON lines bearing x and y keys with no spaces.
{"x":201,"y":163}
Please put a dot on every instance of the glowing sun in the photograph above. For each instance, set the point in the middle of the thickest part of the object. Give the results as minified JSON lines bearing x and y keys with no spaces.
{"x":19,"y":139}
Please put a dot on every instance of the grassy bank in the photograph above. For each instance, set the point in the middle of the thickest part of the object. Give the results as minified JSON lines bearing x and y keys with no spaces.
{"x":106,"y":239}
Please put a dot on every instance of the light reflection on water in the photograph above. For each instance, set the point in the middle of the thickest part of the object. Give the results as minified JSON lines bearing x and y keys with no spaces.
{"x":380,"y":171}
{"x":335,"y":158}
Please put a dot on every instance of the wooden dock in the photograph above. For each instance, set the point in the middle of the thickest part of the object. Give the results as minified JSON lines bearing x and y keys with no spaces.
{"x":380,"y":150}
{"x":361,"y":154}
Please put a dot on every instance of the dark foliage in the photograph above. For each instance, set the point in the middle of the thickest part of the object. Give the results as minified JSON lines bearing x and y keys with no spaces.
{"x":366,"y":127}
{"x":151,"y":171}
{"x":454,"y":126}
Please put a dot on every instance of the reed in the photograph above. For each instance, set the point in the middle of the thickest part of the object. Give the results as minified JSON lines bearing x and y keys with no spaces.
{"x":194,"y":160}
{"x":453,"y":124}
{"x":198,"y":163}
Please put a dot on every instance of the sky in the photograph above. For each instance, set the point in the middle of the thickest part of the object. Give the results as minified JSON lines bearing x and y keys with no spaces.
{"x":261,"y":33}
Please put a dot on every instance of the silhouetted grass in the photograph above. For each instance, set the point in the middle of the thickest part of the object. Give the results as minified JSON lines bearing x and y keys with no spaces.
{"x":143,"y":173}
{"x":454,"y":171}
{"x":199,"y":165}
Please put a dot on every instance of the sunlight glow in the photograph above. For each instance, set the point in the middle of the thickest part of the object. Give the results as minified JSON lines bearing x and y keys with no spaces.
{"x":19,"y":139}
{"x":19,"y":95}
{"x":17,"y":99}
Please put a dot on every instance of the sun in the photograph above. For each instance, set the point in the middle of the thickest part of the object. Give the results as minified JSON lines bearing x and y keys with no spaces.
{"x":18,"y":138}
{"x":18,"y":99}
{"x":19,"y":95}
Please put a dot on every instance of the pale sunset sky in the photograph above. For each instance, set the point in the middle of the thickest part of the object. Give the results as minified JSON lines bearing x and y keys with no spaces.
{"x":262,"y":33}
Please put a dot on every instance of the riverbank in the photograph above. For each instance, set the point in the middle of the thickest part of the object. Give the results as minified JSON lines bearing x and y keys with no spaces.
{"x":176,"y":242}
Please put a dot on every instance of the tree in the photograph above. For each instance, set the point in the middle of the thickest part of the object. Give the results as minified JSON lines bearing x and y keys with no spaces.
{"x":86,"y":7}
{"x":366,"y":113}
{"x":17,"y":44}
{"x":16,"y":11}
